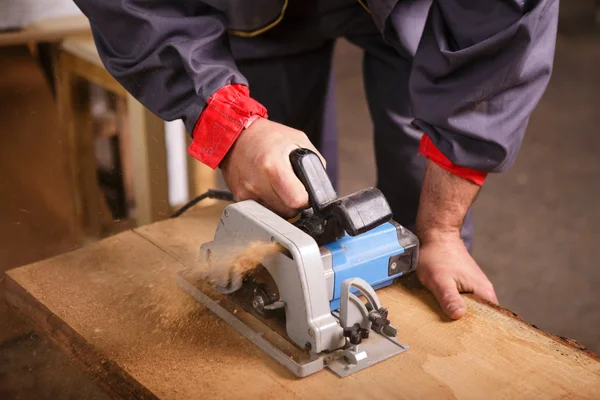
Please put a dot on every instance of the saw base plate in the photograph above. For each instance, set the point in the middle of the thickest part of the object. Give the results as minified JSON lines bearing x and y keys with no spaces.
{"x":260,"y":331}
{"x":298,"y":361}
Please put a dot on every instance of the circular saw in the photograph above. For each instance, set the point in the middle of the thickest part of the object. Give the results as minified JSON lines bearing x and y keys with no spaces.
{"x":313,"y":304}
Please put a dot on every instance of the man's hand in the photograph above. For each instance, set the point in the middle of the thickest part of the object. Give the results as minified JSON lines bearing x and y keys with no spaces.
{"x":447,"y":269}
{"x":445,"y":265}
{"x":258,"y":167}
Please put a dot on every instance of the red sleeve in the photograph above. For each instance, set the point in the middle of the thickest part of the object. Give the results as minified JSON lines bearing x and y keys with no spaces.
{"x":228,"y":111}
{"x":428,"y":149}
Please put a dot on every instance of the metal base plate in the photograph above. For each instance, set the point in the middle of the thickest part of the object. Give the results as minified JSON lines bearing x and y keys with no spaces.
{"x":300,"y":368}
{"x":378,"y":347}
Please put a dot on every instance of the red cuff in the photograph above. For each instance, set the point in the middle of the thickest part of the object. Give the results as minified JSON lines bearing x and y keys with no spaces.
{"x":228,"y":111}
{"x":428,"y":149}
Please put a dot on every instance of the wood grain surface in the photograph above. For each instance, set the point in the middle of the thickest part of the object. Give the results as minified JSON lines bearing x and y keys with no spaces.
{"x":115,"y":307}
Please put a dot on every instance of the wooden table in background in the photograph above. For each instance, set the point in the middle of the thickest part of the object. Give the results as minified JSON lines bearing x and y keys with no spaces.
{"x":76,"y":63}
{"x":48,"y":30}
{"x":143,"y":139}
{"x":116,"y":309}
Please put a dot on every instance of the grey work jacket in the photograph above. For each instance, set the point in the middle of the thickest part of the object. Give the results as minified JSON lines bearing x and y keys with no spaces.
{"x":479,"y":68}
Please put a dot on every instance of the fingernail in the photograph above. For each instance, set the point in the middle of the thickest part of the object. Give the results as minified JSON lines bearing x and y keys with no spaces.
{"x":451,"y":308}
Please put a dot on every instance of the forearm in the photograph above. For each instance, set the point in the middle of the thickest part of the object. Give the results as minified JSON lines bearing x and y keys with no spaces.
{"x":445,"y":200}
{"x":445,"y":265}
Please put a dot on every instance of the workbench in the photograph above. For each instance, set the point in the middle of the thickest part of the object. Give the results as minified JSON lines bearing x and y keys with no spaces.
{"x":116,"y":309}
{"x":75,"y":64}
{"x":48,"y":31}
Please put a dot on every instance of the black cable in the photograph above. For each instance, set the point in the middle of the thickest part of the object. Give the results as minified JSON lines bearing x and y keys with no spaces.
{"x":211,"y":194}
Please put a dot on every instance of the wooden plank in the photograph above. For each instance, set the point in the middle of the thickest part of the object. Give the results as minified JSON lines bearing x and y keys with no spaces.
{"x":201,"y":177}
{"x":64,"y":104}
{"x":148,"y":163}
{"x":119,"y":297}
{"x":106,"y":373}
{"x":75,"y":23}
{"x":143,"y":134}
{"x":84,"y":49}
{"x":50,"y":30}
{"x":125,"y":141}
{"x":81,"y":58}
{"x":72,"y":99}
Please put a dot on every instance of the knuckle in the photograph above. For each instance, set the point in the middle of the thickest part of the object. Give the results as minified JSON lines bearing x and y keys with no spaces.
{"x":249,"y":188}
{"x":449,"y":297}
{"x":270,"y":169}
{"x":425,"y":277}
{"x":299,"y":133}
{"x":488,"y":288}
{"x":241,"y":195}
{"x":489,"y":294}
{"x":288,"y":213}
{"x":267,"y":165}
{"x":246,"y":191}
{"x":295,"y":202}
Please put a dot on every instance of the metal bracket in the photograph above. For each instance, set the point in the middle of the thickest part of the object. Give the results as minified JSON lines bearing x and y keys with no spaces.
{"x":378,"y":348}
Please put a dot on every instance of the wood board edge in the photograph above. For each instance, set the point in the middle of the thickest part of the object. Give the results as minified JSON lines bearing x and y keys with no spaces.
{"x":116,"y":382}
{"x":571,"y":343}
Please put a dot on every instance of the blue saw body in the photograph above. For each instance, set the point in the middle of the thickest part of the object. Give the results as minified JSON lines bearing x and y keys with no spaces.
{"x":370,"y":256}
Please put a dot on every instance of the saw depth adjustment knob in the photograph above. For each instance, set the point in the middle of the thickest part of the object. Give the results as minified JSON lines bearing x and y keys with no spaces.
{"x":379,"y":319}
{"x":356,"y":334}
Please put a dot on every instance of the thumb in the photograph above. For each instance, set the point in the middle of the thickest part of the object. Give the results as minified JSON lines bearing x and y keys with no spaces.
{"x":308,"y":145}
{"x":445,"y":291}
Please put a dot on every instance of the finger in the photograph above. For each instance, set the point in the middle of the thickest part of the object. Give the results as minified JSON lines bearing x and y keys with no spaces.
{"x":308,"y":145}
{"x":486,"y":291}
{"x":273,"y":201}
{"x":265,"y":195}
{"x":290,"y":191}
{"x":445,"y":291}
{"x":288,"y":187}
{"x":476,"y":282}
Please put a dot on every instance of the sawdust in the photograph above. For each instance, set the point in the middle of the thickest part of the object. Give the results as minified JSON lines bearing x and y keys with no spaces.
{"x":151,"y":302}
{"x":241,"y":261}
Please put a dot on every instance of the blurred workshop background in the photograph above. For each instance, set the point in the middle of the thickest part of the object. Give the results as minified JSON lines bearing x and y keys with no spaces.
{"x":69,"y":175}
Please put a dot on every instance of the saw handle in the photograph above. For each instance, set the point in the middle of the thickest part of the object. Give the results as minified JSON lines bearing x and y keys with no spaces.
{"x":310,"y":170}
{"x":356,"y":213}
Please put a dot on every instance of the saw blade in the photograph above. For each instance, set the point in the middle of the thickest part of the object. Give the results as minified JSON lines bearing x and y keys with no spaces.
{"x":258,"y":291}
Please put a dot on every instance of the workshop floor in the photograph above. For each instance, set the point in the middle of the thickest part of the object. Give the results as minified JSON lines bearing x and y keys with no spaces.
{"x":537,"y":226}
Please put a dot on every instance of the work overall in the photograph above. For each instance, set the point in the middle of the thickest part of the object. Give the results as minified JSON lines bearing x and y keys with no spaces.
{"x":289,"y":70}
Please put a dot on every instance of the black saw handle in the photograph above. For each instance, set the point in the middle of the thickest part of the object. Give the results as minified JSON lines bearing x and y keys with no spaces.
{"x":357,"y":213}
{"x":310,"y":170}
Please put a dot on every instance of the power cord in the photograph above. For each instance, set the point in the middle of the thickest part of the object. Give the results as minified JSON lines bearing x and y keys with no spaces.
{"x":211,"y":194}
